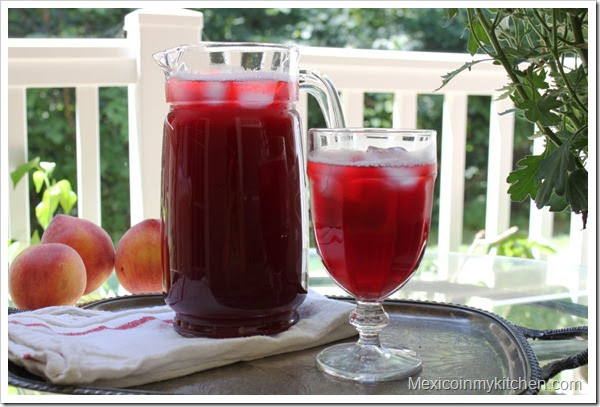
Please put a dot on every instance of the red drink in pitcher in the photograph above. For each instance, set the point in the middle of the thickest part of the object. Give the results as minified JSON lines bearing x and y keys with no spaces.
{"x":371,"y":218}
{"x":231,"y":204}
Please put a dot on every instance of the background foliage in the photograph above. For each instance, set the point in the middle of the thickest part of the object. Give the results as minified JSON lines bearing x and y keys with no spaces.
{"x":51,"y":116}
{"x":535,"y":46}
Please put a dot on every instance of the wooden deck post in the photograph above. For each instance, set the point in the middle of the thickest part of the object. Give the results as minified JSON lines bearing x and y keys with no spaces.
{"x":148,"y":32}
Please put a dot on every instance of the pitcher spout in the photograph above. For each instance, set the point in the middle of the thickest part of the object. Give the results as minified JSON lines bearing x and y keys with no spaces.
{"x":168,"y":60}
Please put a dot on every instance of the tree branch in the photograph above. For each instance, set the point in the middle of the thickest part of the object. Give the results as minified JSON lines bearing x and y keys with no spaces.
{"x":580,"y":41}
{"x":508,"y":68}
{"x":556,"y":57}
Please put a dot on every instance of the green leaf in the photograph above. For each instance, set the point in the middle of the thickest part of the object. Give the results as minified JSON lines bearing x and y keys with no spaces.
{"x":522,"y":180}
{"x":548,"y":102}
{"x":580,"y":143}
{"x":472,"y":45}
{"x":47,"y":166}
{"x":68,"y":203}
{"x":556,"y":167}
{"x":38,"y":180}
{"x":544,"y":247}
{"x":539,"y":110}
{"x":450,"y":75}
{"x":452,"y":13}
{"x":553,"y":173}
{"x":64,"y":186}
{"x":23,"y":169}
{"x":508,"y":111}
{"x":507,"y":90}
{"x":557,"y":203}
{"x":564,"y":135}
{"x":46,"y":208}
{"x":54,"y":198}
{"x":67,"y":197}
{"x":544,"y":193}
{"x":42,"y":213}
{"x":577,"y":190}
{"x":35,"y":238}
{"x":481,"y":33}
{"x":519,"y":245}
{"x":538,"y":80}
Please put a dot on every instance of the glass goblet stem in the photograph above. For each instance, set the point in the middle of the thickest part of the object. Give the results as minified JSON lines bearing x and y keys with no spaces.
{"x":370,"y":319}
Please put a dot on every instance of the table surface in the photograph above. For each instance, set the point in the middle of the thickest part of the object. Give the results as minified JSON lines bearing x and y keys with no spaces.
{"x":530,"y":293}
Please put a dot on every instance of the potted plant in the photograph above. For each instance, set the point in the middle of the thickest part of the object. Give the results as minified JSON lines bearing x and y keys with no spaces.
{"x":544,"y":53}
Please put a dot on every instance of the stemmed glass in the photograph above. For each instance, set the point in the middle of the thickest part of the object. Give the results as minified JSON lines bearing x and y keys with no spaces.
{"x":371,"y":198}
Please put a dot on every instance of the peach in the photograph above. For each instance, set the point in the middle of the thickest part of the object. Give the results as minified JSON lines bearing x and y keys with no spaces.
{"x":46,"y":275}
{"x":90,"y":241}
{"x":138,"y":263}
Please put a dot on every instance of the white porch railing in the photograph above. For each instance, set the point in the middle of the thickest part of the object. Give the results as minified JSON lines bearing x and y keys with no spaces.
{"x":87,"y":64}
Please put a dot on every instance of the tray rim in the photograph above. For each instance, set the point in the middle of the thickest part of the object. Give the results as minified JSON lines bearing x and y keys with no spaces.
{"x":44,"y":386}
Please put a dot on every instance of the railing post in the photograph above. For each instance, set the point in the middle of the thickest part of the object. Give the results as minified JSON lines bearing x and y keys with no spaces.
{"x":353,"y":102}
{"x":150,"y":31}
{"x":405,"y":110}
{"x":88,"y":153}
{"x":578,"y":241}
{"x":452,"y":171}
{"x":541,"y":223}
{"x":497,"y":213}
{"x":19,"y":227}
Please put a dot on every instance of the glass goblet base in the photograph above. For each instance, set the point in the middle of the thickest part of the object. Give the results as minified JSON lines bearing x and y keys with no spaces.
{"x":368,"y":363}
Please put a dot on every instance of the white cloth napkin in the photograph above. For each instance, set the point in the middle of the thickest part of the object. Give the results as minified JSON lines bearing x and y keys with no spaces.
{"x":70,"y":345}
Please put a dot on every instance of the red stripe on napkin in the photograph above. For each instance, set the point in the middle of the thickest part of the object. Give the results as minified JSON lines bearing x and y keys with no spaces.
{"x":128,"y":325}
{"x":28,"y":356}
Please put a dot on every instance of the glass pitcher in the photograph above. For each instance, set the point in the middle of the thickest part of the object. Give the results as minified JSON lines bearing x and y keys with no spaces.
{"x":234,"y":211}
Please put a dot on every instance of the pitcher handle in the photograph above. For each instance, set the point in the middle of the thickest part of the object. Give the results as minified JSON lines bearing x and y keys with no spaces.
{"x":321,"y":87}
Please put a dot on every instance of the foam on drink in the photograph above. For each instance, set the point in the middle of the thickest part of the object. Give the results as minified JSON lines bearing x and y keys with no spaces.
{"x":375,"y":157}
{"x":234,"y":76}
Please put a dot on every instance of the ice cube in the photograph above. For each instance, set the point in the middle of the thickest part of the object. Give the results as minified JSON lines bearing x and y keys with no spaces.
{"x":373,"y":149}
{"x":255,"y":99}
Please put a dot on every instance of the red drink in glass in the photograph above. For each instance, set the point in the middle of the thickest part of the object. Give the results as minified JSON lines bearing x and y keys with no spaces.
{"x":371,"y":198}
{"x":231,"y":205}
{"x":371,"y":221}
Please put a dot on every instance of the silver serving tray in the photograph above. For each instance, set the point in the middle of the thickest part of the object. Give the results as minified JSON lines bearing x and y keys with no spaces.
{"x":458,"y":344}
